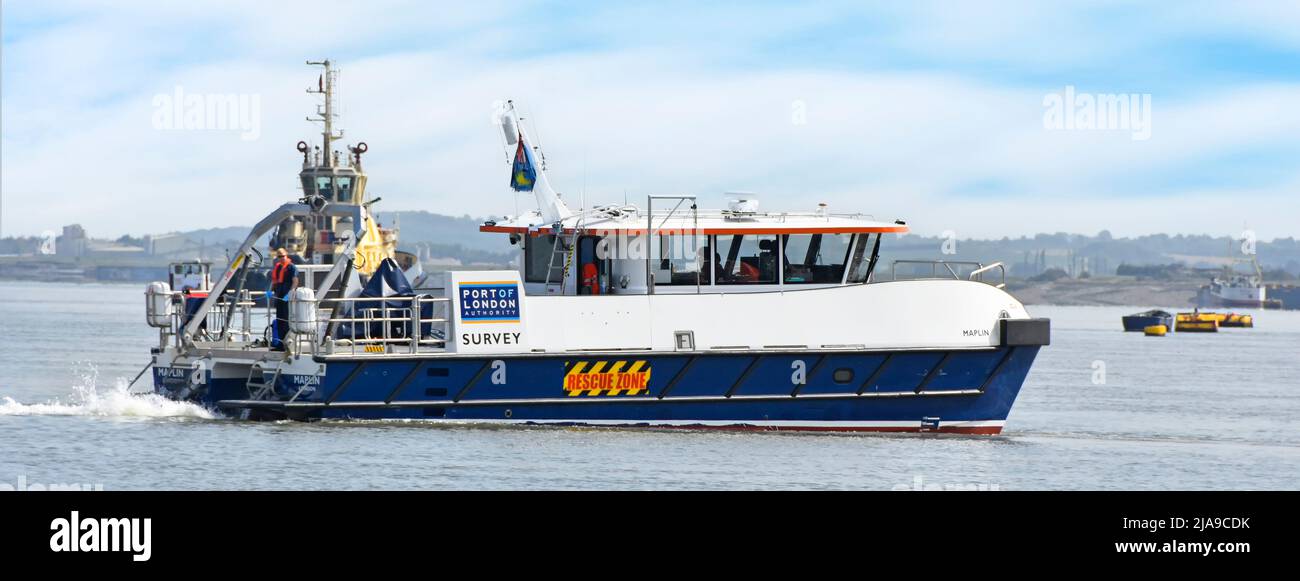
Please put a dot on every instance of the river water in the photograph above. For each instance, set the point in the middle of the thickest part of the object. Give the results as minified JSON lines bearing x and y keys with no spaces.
{"x":1102,"y":409}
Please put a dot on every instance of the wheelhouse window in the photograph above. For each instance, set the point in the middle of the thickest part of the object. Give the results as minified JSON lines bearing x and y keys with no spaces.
{"x":864,"y":247}
{"x":325,"y":187}
{"x":746,"y":259}
{"x":538,"y":251}
{"x":679,"y":259}
{"x":344,"y":184}
{"x":335,"y":189}
{"x":815,"y":258}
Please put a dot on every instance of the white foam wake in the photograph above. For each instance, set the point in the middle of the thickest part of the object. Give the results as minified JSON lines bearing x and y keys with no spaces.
{"x":115,"y":401}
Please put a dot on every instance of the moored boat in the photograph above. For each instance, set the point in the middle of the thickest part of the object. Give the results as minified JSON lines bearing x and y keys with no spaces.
{"x":1233,"y":288}
{"x":1137,"y":322}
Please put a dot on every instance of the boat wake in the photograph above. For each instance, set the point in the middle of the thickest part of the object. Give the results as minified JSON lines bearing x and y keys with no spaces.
{"x":88,"y":399}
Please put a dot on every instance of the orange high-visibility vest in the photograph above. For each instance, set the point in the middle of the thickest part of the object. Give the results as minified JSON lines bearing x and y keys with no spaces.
{"x":281,"y":270}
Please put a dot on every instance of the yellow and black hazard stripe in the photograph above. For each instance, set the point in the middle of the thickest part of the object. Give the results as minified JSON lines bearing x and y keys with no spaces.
{"x":592,"y":378}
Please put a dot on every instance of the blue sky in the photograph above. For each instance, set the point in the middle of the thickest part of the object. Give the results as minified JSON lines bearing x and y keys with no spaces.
{"x":927,"y":111}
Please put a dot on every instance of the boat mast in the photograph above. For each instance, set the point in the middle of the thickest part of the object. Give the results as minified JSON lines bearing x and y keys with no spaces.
{"x":549,"y":204}
{"x":325,"y":113}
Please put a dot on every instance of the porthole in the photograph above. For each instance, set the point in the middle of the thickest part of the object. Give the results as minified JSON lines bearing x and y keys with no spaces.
{"x":843,"y":375}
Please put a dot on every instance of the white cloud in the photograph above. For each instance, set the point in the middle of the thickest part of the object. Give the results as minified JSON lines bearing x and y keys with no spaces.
{"x":638,"y":119}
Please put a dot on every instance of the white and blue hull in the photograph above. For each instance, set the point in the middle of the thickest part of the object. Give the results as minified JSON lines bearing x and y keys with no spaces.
{"x":927,"y":355}
{"x":962,"y":391}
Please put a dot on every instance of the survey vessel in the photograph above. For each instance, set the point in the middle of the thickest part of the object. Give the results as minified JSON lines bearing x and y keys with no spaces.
{"x":657,"y":315}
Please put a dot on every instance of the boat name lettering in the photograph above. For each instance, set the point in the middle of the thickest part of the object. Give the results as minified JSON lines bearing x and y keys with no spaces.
{"x":975,"y":333}
{"x":489,"y":338}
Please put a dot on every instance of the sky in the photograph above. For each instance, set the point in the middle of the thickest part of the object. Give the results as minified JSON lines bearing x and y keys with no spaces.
{"x":938,"y":113}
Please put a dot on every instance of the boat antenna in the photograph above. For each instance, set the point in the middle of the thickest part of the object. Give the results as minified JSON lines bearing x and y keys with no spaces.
{"x":549,"y":203}
{"x":325,"y":113}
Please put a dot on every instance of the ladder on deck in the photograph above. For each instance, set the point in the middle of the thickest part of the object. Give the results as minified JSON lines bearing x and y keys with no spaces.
{"x":561,"y":260}
{"x":258,"y":387}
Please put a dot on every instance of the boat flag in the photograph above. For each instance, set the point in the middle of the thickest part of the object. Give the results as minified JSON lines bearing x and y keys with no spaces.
{"x":523,"y":175}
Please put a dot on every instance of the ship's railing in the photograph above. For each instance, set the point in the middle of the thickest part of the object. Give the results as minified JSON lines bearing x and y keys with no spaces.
{"x":774,"y":216}
{"x":373,"y":325}
{"x":978,"y":274}
{"x":953,"y":269}
{"x":356,"y":325}
{"x":311,"y":272}
{"x":236,"y":319}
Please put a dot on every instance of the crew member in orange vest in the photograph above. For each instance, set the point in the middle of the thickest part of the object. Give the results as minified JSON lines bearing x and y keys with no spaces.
{"x":284,"y":278}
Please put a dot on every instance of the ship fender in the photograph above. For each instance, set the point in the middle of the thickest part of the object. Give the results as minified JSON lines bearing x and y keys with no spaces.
{"x":302,"y":311}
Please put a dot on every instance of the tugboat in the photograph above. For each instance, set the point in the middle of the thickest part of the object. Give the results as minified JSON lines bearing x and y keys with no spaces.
{"x":325,"y":179}
{"x":665,"y":315}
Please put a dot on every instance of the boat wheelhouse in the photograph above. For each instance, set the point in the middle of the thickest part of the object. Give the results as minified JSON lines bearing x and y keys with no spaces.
{"x":606,"y":250}
{"x":667,"y":315}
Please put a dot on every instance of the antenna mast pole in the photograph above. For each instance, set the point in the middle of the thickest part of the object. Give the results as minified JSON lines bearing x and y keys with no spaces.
{"x":325,"y":113}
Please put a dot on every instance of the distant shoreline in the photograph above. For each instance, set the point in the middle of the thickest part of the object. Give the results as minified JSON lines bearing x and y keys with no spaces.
{"x":1072,"y":292}
{"x":1107,"y":292}
{"x":1097,"y":291}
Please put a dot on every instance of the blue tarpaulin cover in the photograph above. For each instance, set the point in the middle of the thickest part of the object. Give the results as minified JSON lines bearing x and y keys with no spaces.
{"x":387,"y":281}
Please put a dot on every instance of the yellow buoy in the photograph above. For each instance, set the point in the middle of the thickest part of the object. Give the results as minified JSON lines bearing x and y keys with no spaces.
{"x":1211,"y":326}
{"x":1156,"y":330}
{"x":1197,"y":322}
{"x":1235,"y":320}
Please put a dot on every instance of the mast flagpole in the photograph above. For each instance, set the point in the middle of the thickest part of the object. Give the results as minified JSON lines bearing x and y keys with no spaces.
{"x":325,"y":113}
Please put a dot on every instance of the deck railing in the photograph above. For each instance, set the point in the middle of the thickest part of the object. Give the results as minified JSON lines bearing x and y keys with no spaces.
{"x":356,"y":325}
{"x":977,"y":270}
{"x":374,"y":325}
{"x":235,"y":320}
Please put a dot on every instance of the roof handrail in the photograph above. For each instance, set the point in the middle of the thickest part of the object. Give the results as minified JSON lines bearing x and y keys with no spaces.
{"x":996,"y":265}
{"x":975,"y":275}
